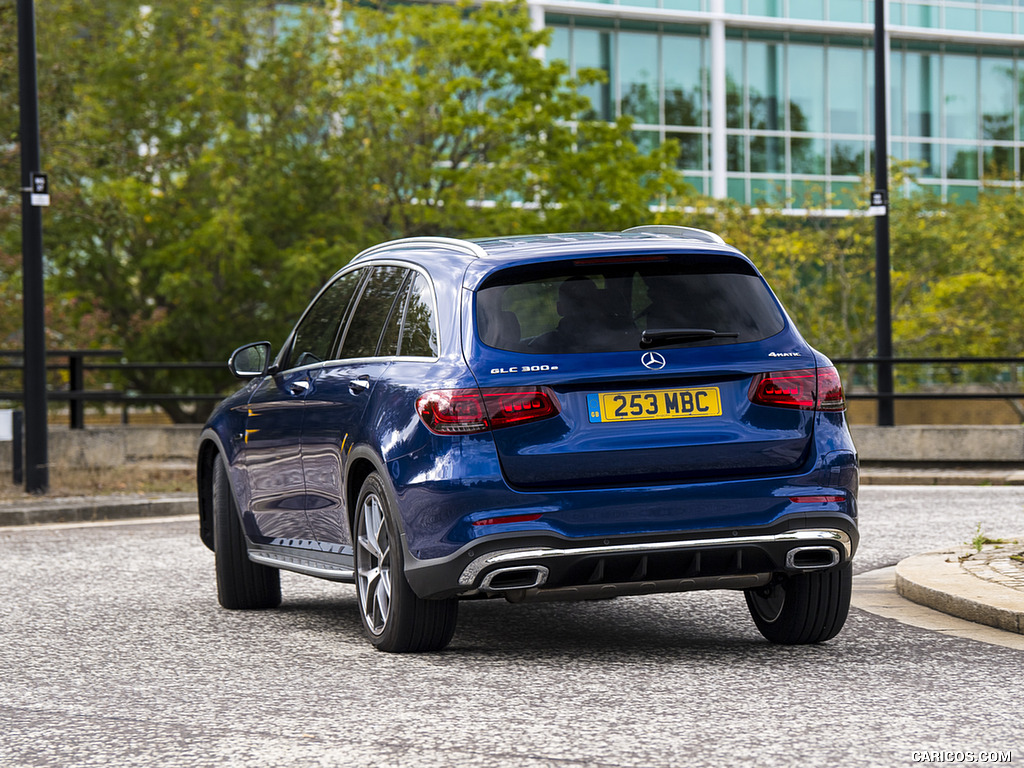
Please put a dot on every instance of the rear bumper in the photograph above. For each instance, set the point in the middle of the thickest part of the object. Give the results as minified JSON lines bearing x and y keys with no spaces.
{"x":547,"y":568}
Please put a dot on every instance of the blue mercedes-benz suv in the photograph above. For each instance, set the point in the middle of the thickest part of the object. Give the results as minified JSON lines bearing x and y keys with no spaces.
{"x":550,"y":417}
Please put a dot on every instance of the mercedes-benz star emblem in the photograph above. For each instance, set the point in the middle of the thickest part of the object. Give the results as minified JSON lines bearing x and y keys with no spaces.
{"x":653,"y":360}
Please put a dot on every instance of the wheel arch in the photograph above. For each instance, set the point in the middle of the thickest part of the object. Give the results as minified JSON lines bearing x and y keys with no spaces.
{"x":362,"y":462}
{"x":209,"y":449}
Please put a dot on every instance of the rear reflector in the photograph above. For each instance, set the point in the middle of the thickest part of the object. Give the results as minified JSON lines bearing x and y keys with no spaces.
{"x":468,"y":411}
{"x":817,"y":499}
{"x":509,"y":519}
{"x":807,"y":389}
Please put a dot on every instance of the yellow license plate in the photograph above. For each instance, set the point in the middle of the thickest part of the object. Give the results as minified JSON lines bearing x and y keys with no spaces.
{"x":655,"y":404}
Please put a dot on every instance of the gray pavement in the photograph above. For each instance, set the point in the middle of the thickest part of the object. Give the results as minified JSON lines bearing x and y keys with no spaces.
{"x":114,"y":652}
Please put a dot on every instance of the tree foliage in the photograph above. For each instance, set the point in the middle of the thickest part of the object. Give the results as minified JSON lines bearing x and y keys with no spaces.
{"x":212,"y":162}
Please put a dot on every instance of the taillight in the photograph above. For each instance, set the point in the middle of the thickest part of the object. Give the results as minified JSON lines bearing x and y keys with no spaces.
{"x":468,"y":411}
{"x":807,"y":389}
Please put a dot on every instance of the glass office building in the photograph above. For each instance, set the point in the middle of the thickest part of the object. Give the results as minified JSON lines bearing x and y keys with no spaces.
{"x":773,"y":100}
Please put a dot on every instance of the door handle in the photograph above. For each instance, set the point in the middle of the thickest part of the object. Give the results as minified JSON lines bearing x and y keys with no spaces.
{"x":360,"y":385}
{"x":299,"y":387}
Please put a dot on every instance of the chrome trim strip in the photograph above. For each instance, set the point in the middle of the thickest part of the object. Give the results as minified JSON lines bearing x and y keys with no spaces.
{"x":303,"y":565}
{"x":501,"y":557}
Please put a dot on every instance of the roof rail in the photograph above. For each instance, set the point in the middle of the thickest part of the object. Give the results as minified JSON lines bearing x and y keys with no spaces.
{"x":670,"y":230}
{"x":451,"y":243}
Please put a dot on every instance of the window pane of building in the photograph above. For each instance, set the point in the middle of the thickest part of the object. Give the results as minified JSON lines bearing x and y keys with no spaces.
{"x":922,"y":15}
{"x":847,"y":10}
{"x":847,"y":157}
{"x":897,"y":124}
{"x":997,"y":21}
{"x":997,"y":98}
{"x":767,"y":154}
{"x":846,"y":90}
{"x":998,"y":164}
{"x":691,"y":150}
{"x":764,"y":7}
{"x":961,"y":162}
{"x":646,"y":141}
{"x":737,"y":190}
{"x":684,"y":73}
{"x":735,"y":148}
{"x":764,"y":86}
{"x":768,"y":191}
{"x":593,"y":50}
{"x":807,"y":9}
{"x":807,"y":155}
{"x":734,"y":81}
{"x":558,"y":48}
{"x":961,"y":194}
{"x":961,"y":18}
{"x":638,"y":74}
{"x":922,"y":94}
{"x":807,"y":88}
{"x":960,"y":96}
{"x":925,"y":156}
{"x":808,"y":193}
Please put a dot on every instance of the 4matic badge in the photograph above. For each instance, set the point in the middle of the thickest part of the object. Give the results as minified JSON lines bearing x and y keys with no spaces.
{"x":784,"y":354}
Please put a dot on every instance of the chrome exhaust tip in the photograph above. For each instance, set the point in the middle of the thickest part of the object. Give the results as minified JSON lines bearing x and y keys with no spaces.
{"x":518,"y":577}
{"x":811,"y":558}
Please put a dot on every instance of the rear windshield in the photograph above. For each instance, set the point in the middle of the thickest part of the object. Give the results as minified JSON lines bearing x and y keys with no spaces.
{"x":592,"y":305}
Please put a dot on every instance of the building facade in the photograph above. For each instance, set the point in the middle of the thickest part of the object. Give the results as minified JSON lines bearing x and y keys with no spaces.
{"x":772,"y":101}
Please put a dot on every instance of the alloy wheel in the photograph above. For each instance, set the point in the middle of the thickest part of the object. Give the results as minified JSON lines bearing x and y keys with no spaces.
{"x":373,"y":564}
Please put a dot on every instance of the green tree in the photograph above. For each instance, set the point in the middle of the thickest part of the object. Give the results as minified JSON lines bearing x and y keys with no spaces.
{"x":213,"y":163}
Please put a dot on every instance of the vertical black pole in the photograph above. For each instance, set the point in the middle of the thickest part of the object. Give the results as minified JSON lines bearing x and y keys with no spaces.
{"x":883,"y":292}
{"x":76,"y":380}
{"x":37,"y":476}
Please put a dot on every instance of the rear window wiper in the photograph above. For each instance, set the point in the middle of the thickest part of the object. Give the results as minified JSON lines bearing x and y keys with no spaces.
{"x":662,"y":336}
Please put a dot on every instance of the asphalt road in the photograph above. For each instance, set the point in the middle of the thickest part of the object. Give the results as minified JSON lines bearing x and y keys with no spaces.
{"x":113,"y":652}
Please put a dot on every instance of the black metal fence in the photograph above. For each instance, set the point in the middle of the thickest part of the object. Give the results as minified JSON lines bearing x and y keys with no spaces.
{"x":74,"y":367}
{"x":916,"y":378}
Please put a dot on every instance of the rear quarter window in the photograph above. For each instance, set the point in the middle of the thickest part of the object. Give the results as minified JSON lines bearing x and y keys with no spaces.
{"x":589,"y":307}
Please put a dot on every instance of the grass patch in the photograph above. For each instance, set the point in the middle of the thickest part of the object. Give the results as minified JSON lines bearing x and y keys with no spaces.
{"x":102,"y":481}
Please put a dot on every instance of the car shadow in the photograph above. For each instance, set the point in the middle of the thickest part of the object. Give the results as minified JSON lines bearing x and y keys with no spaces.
{"x":692,"y":625}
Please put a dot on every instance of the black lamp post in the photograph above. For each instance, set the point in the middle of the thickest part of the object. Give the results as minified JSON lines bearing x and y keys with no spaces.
{"x":880,"y":206}
{"x":34,"y":195}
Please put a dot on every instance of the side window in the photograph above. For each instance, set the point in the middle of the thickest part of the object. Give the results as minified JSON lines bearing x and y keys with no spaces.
{"x":393,"y":328}
{"x":370,"y":316}
{"x":419,"y":333}
{"x":317,"y":332}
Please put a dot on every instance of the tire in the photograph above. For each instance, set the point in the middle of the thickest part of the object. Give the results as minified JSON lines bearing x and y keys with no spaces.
{"x":805,"y":608}
{"x":394,"y":618}
{"x":241,"y":583}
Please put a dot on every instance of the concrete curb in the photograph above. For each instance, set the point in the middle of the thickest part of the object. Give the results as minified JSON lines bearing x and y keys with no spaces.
{"x":81,"y":509}
{"x":939,"y":476}
{"x":936,"y":580}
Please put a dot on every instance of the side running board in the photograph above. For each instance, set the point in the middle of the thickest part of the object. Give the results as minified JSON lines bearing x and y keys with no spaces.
{"x":311,"y":566}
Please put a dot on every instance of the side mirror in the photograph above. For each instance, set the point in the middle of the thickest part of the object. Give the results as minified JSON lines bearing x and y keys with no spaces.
{"x":250,"y":361}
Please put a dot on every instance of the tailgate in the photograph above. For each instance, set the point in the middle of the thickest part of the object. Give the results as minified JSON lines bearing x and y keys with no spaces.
{"x":617,"y":429}
{"x":651,"y":358}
